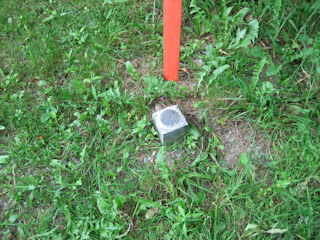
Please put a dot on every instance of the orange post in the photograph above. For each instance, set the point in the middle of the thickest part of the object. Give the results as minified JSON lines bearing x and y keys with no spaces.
{"x":171,"y":38}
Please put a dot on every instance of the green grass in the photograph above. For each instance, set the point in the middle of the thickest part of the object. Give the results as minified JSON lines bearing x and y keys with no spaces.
{"x":79,"y":81}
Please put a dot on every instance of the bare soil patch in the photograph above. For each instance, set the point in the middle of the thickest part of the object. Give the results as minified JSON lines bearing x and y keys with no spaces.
{"x":239,"y":137}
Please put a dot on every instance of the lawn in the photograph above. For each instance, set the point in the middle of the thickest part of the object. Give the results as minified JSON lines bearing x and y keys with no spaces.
{"x":80,"y":157}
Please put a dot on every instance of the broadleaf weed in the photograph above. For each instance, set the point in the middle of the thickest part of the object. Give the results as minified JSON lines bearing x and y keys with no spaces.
{"x":80,"y":159}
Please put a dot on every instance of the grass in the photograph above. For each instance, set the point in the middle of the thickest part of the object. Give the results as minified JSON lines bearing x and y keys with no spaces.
{"x":79,"y":81}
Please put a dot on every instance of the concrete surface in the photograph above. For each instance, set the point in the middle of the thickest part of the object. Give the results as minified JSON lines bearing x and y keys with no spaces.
{"x":170,"y":124}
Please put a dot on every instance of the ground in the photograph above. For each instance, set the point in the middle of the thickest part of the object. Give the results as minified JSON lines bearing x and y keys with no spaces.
{"x":80,"y":157}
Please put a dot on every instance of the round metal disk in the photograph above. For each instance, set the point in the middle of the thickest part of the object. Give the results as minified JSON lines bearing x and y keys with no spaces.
{"x":170,"y":117}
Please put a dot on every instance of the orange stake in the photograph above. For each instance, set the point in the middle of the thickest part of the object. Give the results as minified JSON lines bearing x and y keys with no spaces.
{"x":171,"y":38}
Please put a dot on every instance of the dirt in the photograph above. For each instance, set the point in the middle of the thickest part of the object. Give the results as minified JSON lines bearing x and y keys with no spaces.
{"x":237,"y":137}
{"x":4,"y":204}
{"x":170,"y":157}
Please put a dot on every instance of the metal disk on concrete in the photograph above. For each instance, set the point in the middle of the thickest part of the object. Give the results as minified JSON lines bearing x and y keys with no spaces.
{"x":170,"y":123}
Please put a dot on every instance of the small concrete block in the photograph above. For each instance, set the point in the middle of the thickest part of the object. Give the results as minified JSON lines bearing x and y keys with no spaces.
{"x":170,"y":123}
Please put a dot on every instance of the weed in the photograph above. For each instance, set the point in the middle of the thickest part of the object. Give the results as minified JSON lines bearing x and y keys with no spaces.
{"x":78,"y":83}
